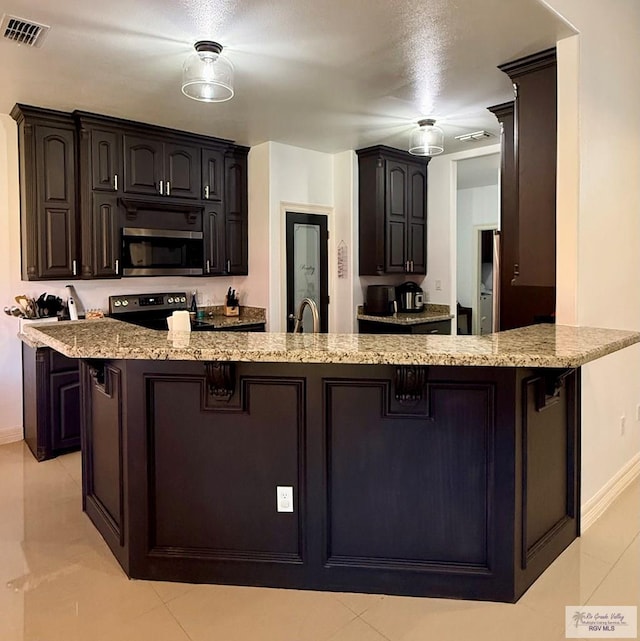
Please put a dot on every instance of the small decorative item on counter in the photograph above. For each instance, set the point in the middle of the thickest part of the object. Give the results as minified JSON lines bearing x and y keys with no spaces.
{"x":193,"y":308}
{"x":94,"y":314}
{"x":231,"y":306}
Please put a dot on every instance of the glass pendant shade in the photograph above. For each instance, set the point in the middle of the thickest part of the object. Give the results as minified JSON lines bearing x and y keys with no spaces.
{"x":207,"y":75}
{"x":427,"y":140}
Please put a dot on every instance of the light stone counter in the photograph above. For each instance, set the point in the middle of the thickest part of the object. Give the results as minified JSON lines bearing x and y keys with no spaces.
{"x":534,"y":346}
{"x":431,"y":314}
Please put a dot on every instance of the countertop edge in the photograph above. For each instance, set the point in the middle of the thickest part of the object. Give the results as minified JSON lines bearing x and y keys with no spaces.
{"x":328,"y":353}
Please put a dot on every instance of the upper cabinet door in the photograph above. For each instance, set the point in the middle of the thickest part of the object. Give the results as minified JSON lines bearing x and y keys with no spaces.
{"x":212,"y":174}
{"x":417,"y":220}
{"x":55,"y":247}
{"x":396,"y":218}
{"x":143,"y":165}
{"x":236,"y":214}
{"x":106,"y":160}
{"x":181,"y":171}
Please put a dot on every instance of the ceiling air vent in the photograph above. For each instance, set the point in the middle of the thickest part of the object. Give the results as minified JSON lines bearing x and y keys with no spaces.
{"x":24,"y":32}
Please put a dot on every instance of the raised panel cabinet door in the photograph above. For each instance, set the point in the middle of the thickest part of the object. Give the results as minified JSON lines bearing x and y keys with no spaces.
{"x":65,"y":409}
{"x":182,"y":170}
{"x":214,"y":240}
{"x":56,"y":217}
{"x":536,"y":155}
{"x":236,"y":214}
{"x":212,"y":174}
{"x":417,"y":220}
{"x":396,"y":217}
{"x":106,"y":160}
{"x":105,"y":218}
{"x":143,"y":165}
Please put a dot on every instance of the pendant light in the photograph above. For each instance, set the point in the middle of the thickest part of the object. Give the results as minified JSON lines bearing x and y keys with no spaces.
{"x":207,"y":75}
{"x":427,"y":140}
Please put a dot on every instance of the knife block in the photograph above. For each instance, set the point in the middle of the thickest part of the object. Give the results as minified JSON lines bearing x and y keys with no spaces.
{"x":231,"y":311}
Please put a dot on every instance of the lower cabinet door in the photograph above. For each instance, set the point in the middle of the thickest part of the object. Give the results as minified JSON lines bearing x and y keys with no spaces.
{"x":65,"y":409}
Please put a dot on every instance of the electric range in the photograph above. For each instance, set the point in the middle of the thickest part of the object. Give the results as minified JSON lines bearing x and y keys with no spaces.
{"x":152,"y":310}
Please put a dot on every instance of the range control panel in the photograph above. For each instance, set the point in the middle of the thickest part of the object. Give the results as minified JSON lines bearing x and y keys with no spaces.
{"x":127,"y":303}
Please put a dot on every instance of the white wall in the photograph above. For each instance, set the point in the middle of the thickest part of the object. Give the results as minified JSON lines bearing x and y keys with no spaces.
{"x":604,"y":239}
{"x":285,"y":178}
{"x":10,"y":351}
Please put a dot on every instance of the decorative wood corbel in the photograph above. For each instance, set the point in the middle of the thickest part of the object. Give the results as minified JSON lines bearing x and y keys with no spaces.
{"x":97,"y":373}
{"x":549,"y":385}
{"x":410,"y":382}
{"x":221,"y":379}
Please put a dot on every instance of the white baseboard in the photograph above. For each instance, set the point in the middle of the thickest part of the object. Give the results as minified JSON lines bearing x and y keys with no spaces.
{"x":10,"y":434}
{"x":596,"y":505}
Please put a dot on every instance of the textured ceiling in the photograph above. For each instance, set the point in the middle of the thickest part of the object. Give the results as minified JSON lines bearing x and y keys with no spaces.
{"x":323,"y":74}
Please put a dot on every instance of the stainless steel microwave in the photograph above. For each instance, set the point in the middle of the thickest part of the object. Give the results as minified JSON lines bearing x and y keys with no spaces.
{"x":161,"y":252}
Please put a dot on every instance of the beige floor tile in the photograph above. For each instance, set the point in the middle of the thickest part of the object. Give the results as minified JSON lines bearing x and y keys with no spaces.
{"x":81,"y":600}
{"x":72,"y":463}
{"x":357,"y":630}
{"x":169,"y":590}
{"x":622,"y":585}
{"x":155,"y":625}
{"x":405,"y":619}
{"x":358,"y":603}
{"x":259,"y":614}
{"x":570,"y":580}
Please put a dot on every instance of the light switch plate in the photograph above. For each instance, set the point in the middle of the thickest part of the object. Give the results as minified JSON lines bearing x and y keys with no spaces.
{"x":284,"y":500}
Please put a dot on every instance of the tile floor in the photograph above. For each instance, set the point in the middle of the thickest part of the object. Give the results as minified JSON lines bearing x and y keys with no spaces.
{"x":59,"y":582}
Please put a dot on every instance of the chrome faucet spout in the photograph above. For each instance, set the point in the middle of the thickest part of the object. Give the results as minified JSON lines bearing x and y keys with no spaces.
{"x":311,"y":304}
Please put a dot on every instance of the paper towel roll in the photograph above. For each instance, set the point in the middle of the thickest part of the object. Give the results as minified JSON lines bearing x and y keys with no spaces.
{"x":180,"y":321}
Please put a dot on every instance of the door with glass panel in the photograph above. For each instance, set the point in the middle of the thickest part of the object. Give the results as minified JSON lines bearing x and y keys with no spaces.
{"x":307,"y":268}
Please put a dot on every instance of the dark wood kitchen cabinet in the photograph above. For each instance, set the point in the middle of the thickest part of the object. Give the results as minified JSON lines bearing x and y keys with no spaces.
{"x":225,"y":224}
{"x":100,"y":184}
{"x":51,"y":402}
{"x":48,"y":214}
{"x":528,"y":192}
{"x":236,"y":211}
{"x":161,"y":167}
{"x":393,"y":211}
{"x":84,"y":176}
{"x":213,"y":174}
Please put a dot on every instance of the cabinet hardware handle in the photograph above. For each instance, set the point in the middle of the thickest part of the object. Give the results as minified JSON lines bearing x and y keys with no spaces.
{"x":74,"y":267}
{"x":115,"y":182}
{"x":412,"y":264}
{"x":406,"y":266}
{"x":168,"y":188}
{"x":208,"y":266}
{"x":161,"y":188}
{"x":228,"y":266}
{"x":117,"y":266}
{"x":206,"y":192}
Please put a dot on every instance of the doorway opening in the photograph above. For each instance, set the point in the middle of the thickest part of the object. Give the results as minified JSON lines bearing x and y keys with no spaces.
{"x":307,"y":240}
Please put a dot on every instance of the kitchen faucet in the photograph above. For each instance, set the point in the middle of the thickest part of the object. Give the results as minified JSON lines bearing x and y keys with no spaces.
{"x":311,"y":304}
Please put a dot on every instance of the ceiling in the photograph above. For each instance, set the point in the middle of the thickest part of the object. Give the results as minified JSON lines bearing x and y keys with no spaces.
{"x":328,"y":75}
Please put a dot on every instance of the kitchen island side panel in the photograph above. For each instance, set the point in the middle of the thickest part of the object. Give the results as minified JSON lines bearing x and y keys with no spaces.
{"x":420,"y":497}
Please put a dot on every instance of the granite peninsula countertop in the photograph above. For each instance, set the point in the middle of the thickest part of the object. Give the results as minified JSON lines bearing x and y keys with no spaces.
{"x":534,"y":346}
{"x":431,"y":314}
